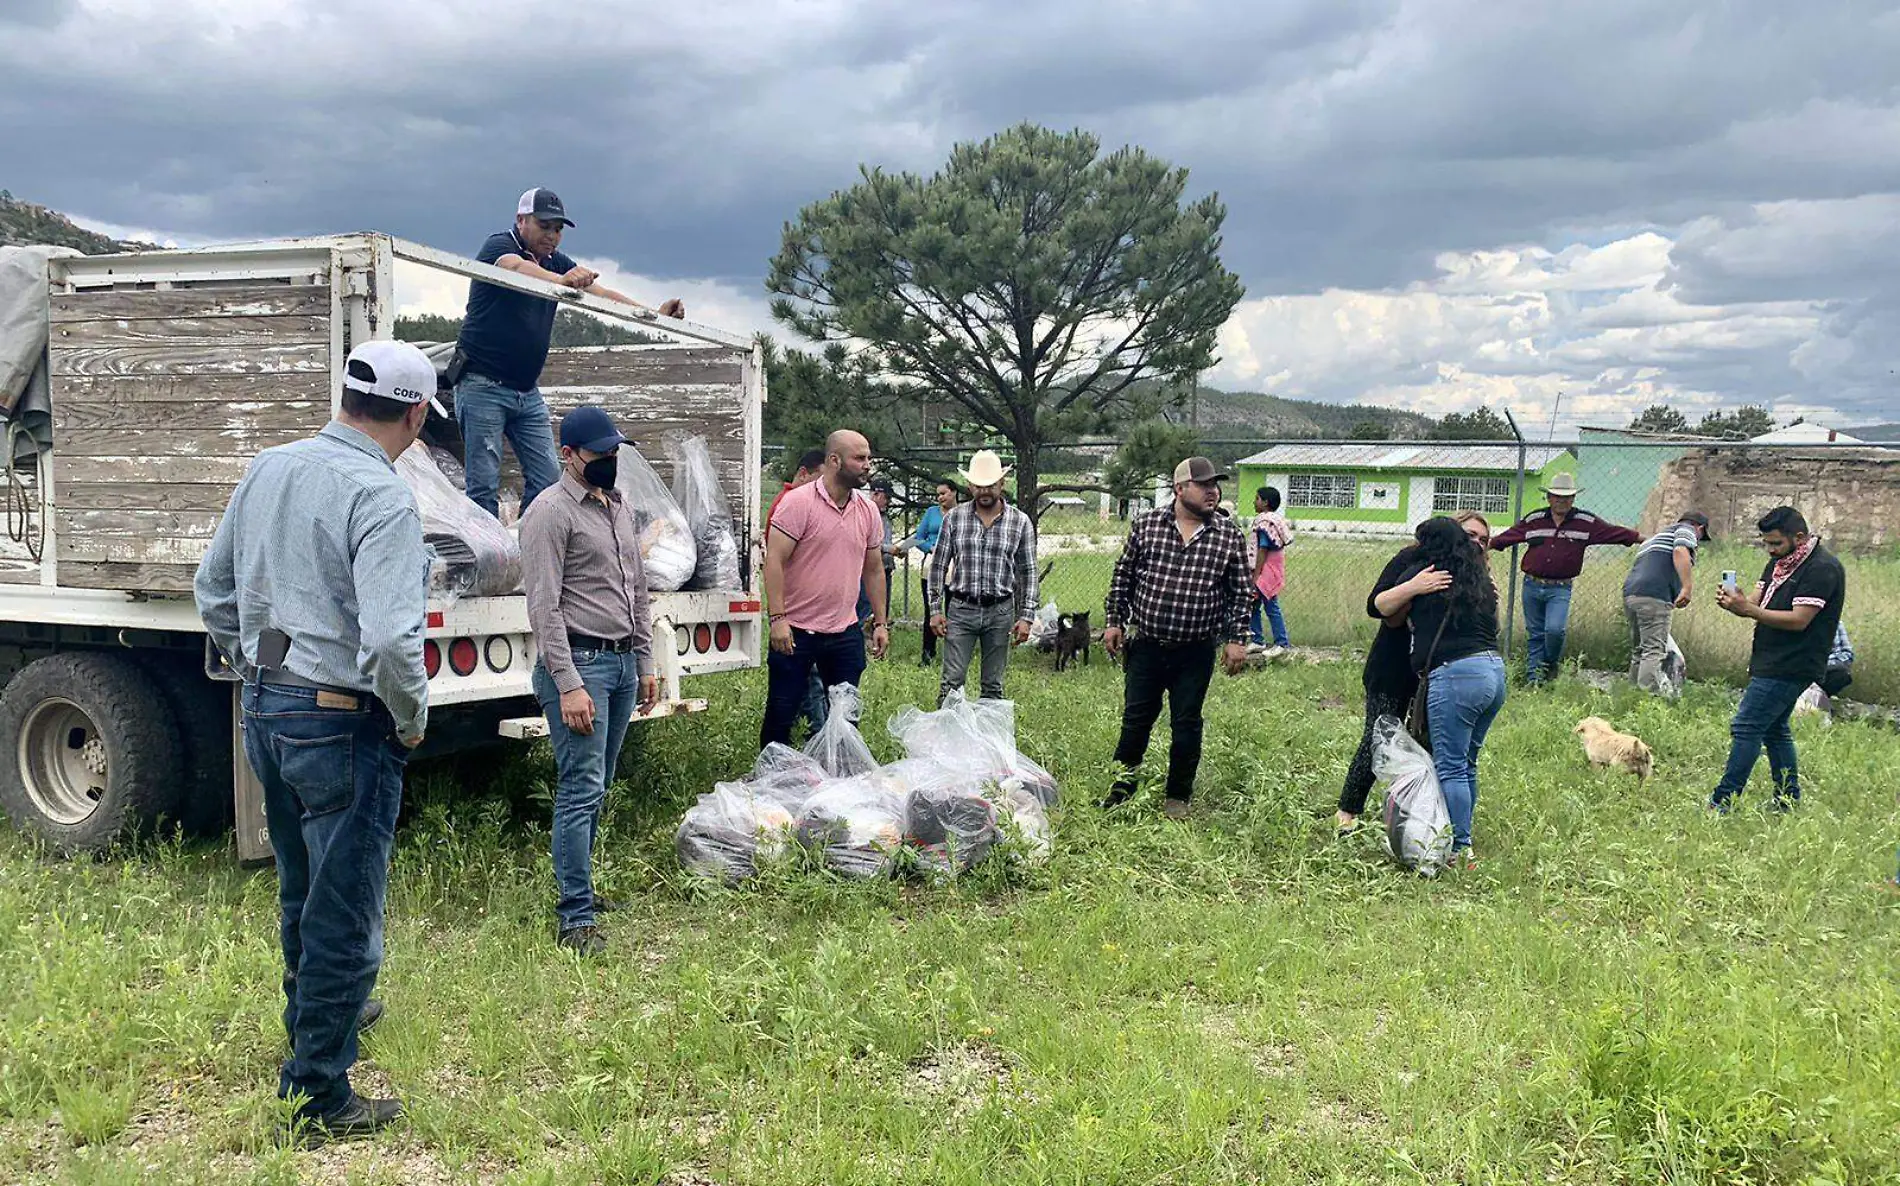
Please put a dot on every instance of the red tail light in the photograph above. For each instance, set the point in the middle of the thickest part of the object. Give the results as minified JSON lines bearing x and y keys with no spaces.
{"x":462,"y":656}
{"x":431,"y":658}
{"x":722,"y":636}
{"x":702,"y":637}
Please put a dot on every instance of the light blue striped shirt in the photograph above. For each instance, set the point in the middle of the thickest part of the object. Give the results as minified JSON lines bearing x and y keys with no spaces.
{"x":323,"y":541}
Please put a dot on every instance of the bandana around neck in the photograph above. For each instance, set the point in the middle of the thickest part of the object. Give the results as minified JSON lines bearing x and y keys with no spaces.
{"x":1784,"y":567}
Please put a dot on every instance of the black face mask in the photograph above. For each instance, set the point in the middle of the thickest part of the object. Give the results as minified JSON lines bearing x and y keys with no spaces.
{"x":601,"y":472}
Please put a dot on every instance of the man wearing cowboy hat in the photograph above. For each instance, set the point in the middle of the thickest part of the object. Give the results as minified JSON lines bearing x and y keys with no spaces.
{"x":1554,"y":538}
{"x":985,"y":565}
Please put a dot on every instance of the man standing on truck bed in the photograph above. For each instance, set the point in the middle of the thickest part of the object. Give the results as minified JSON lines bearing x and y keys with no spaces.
{"x":496,"y":371}
{"x":826,"y":542}
{"x":588,"y":607}
{"x":327,"y":635}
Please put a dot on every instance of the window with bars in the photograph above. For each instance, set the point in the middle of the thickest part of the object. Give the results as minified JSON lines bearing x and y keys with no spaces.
{"x":1491,"y":496}
{"x":1322,"y":490}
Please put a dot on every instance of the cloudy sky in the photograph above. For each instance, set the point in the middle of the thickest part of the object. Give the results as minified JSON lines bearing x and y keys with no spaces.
{"x":1433,"y":203}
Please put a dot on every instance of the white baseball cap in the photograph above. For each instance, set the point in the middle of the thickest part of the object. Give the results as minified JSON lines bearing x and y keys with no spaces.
{"x":393,"y":370}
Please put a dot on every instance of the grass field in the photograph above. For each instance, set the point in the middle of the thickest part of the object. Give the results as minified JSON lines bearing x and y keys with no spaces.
{"x":1624,"y":991}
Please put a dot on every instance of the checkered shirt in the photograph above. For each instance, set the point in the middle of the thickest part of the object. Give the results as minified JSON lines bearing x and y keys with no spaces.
{"x":1181,"y":592}
{"x":971,"y":560}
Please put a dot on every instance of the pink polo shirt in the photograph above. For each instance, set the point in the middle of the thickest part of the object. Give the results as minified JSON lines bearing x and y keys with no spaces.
{"x":820,"y":592}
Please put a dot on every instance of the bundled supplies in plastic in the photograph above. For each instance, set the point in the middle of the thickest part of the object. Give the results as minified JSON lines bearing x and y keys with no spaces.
{"x":1417,"y":822}
{"x":838,"y":746}
{"x":726,"y":833}
{"x":696,"y":490}
{"x":1674,"y":671}
{"x":474,"y":554}
{"x":1045,"y":626}
{"x":856,"y":824}
{"x":667,"y":551}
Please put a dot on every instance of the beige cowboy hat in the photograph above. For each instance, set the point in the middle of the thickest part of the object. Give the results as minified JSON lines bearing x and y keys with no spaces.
{"x":986,"y":469}
{"x":1563,"y":484}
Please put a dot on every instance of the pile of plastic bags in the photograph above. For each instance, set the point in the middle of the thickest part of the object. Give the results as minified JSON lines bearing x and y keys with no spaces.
{"x":474,"y":555}
{"x":1417,"y":822}
{"x":960,"y":790}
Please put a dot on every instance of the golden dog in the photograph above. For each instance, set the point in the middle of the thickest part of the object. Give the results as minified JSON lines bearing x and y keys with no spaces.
{"x":1606,"y":747}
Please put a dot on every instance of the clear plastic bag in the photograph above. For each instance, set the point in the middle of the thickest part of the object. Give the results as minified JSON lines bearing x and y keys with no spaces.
{"x":1674,"y":671}
{"x":949,"y":816}
{"x":475,"y":556}
{"x":856,"y":824}
{"x":1417,"y":822}
{"x":1045,"y":626}
{"x":696,"y":490}
{"x":977,"y":737}
{"x":839,"y":747}
{"x":786,"y":775}
{"x":1023,"y":821}
{"x":667,"y":552}
{"x":725,"y":834}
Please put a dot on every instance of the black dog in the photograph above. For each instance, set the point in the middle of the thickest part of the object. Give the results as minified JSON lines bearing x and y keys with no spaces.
{"x":1072,"y":639}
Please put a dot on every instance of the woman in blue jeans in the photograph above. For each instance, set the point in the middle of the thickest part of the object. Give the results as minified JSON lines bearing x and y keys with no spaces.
{"x":1454,"y":615}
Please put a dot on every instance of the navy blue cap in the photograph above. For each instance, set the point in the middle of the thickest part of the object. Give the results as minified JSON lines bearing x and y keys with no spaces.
{"x":591,"y":429}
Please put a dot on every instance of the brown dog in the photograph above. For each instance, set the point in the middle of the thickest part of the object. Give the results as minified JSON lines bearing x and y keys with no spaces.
{"x":1605,"y":747}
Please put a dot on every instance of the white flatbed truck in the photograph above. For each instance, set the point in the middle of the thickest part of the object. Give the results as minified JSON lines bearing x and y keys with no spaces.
{"x":168,"y":371}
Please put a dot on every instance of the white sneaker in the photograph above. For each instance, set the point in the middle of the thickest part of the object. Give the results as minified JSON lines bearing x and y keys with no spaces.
{"x":1273,"y":652}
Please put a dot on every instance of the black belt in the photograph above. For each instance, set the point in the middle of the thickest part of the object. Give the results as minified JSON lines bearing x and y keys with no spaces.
{"x":585,"y":642}
{"x":979,"y":602}
{"x":1549,"y":580}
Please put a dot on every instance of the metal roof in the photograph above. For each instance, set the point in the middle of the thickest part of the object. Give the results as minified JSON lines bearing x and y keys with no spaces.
{"x":1405,"y":455}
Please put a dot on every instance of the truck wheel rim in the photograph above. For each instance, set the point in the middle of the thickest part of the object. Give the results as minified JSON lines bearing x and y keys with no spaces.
{"x":62,"y":761}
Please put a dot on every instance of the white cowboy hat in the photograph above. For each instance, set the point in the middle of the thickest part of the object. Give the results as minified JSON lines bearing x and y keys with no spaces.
{"x":986,"y":469}
{"x":1564,"y":485}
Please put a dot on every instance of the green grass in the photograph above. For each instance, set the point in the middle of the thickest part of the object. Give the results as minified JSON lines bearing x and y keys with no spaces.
{"x":1625,"y":991}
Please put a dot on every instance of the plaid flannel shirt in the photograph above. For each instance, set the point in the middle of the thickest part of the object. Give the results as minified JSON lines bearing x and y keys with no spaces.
{"x":971,"y":560}
{"x":1181,"y":592}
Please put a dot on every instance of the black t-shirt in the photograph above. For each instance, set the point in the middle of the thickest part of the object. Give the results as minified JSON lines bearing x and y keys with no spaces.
{"x":1473,"y":634}
{"x":1801,"y":654}
{"x":1389,"y":662}
{"x":505,"y":333}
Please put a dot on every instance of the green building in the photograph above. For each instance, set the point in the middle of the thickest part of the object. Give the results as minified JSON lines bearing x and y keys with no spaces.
{"x":1389,"y":487}
{"x":1619,"y":474}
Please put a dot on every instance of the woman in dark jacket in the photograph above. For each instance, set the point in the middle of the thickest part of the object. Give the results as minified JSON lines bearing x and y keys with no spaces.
{"x":1388,"y":677}
{"x":1455,"y":646}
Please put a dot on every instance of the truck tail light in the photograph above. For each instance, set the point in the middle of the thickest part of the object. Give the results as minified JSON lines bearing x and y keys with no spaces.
{"x":431,"y":658}
{"x":462,"y":656}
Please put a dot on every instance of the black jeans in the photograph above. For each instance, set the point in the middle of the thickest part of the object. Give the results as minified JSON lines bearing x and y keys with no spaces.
{"x":332,"y":787}
{"x":837,"y":658}
{"x":930,"y":636}
{"x":1380,"y":702}
{"x":1182,"y":671}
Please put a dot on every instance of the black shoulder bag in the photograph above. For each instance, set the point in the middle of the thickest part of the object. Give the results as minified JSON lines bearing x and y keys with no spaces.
{"x":1418,"y":717}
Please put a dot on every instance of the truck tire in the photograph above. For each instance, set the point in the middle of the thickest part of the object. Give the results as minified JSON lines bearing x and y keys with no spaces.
{"x":88,"y":751}
{"x":202,"y":708}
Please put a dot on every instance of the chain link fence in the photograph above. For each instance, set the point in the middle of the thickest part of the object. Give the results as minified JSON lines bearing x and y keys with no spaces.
{"x":1352,"y":504}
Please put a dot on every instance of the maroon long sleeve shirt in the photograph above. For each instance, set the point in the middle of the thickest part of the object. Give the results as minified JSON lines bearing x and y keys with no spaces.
{"x":1553,"y":551}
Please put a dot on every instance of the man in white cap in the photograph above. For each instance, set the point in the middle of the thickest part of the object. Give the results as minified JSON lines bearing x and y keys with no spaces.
{"x":984,"y":570}
{"x":496,"y":370}
{"x":1555,"y":537}
{"x":327,"y":635}
{"x":1177,"y":596}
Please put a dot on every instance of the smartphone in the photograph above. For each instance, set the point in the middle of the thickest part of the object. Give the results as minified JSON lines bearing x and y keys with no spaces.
{"x":1730,"y":580}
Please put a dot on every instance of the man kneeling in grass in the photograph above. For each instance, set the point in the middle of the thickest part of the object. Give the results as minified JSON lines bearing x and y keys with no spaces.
{"x":1796,"y":607}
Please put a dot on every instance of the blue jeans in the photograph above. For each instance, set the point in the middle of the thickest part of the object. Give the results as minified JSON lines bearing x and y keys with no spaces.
{"x":834,"y":658}
{"x":1463,"y":699}
{"x":488,"y":411}
{"x":817,"y":706}
{"x":1546,"y":619}
{"x":1761,"y":721}
{"x":332,"y":781}
{"x":1271,"y":607}
{"x":586,"y":768}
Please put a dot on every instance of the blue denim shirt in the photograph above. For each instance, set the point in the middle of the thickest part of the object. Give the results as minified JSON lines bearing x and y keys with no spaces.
{"x":323,"y":541}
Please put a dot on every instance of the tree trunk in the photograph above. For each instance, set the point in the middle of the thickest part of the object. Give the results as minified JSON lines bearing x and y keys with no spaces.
{"x":1028,"y":478}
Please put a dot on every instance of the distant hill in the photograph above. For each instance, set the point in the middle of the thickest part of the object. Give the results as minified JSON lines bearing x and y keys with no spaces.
{"x":23,"y":224}
{"x":1257,"y":416}
{"x":1876,"y":432}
